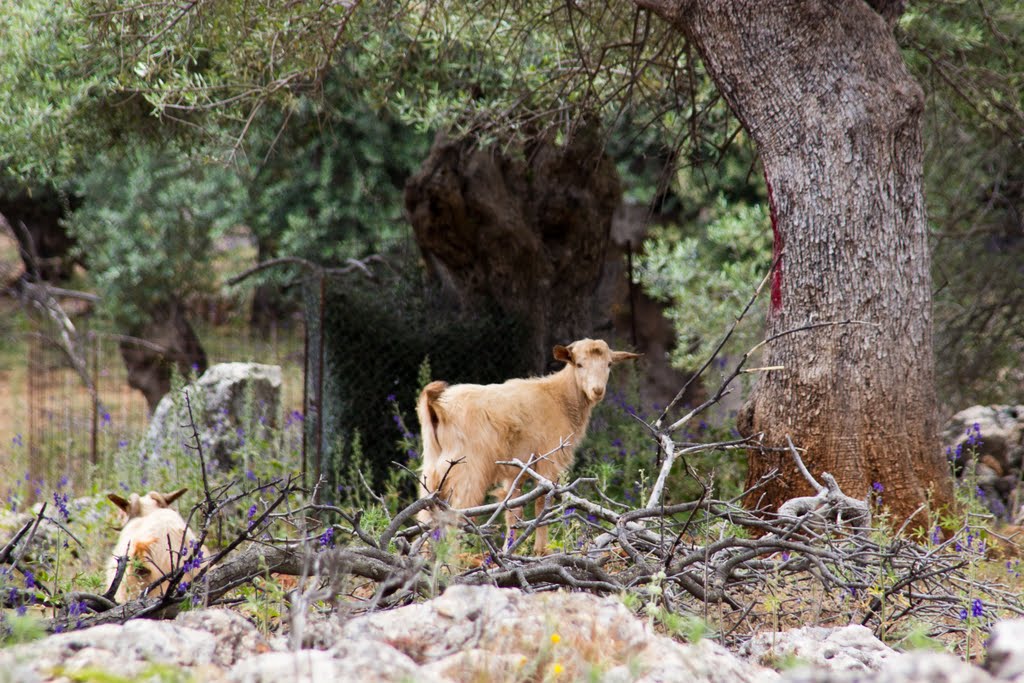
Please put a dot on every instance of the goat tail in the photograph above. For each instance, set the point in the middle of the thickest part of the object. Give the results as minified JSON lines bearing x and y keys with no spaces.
{"x":429,"y":415}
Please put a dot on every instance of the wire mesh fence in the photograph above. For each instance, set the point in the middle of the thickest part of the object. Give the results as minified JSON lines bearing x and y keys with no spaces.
{"x":57,"y":426}
{"x":353,"y":360}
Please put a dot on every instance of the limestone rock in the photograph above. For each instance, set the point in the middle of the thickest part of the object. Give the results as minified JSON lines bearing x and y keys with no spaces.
{"x":231,"y":402}
{"x":486,"y":633}
{"x":1005,"y":658}
{"x":128,"y":651}
{"x":847,"y":648}
{"x":1001,"y":429}
{"x":363,"y":661}
{"x":916,"y":667}
{"x":236,"y":638}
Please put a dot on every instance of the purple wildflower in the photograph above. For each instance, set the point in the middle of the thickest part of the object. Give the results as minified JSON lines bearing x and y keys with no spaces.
{"x":77,"y":609}
{"x":61,"y":501}
{"x":974,"y":435}
{"x":977,"y":608}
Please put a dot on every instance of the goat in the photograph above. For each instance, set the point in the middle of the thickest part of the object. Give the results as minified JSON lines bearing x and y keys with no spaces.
{"x":155,"y":541}
{"x":481,"y":425}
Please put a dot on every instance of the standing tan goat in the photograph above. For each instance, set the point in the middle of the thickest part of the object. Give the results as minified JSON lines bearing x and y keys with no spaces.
{"x":155,"y":540}
{"x":485,"y":424}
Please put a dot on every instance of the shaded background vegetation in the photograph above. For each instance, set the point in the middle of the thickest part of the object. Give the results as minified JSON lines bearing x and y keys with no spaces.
{"x":133,"y":143}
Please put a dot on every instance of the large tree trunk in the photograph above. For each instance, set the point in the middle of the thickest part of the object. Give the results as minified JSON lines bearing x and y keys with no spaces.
{"x":168,"y":340}
{"x":527,"y":233}
{"x":36,"y":221}
{"x":822,"y":89}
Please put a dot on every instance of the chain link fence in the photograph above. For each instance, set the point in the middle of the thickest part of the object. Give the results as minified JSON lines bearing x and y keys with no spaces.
{"x":56,"y":426}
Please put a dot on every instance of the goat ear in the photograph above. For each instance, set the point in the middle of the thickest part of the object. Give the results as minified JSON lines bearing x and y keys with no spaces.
{"x":563,"y":353}
{"x":141,"y":546}
{"x":168,"y":498}
{"x":118,"y":501}
{"x":619,"y":356}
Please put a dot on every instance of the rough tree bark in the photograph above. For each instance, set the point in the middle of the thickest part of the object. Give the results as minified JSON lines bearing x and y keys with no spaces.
{"x":823,"y":90}
{"x":149,"y":370}
{"x":527,"y":233}
{"x":40,"y":214}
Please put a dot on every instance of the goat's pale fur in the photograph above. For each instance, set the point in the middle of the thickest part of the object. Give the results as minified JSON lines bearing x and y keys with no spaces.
{"x":155,"y":540}
{"x":484,"y":424}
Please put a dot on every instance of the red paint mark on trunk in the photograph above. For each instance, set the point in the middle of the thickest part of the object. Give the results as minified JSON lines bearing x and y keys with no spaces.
{"x":776,"y":250}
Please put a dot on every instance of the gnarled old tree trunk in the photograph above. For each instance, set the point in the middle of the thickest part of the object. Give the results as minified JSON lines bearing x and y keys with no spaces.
{"x":822,"y":89}
{"x":527,"y":233}
{"x":35,"y":220}
{"x":166,"y":341}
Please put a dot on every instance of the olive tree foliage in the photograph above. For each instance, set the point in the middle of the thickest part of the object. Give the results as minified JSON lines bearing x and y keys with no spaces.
{"x":323,"y":176}
{"x":707,"y":276}
{"x":103,"y":70}
{"x":132,"y":124}
{"x":491,"y":69}
{"x":149,"y":221}
{"x":970,"y":59}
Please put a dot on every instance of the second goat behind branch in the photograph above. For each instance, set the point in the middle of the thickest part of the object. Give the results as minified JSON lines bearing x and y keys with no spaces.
{"x":481,"y":425}
{"x":154,"y":540}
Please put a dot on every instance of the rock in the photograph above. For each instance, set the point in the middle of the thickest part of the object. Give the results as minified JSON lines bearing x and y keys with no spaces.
{"x":127,"y":651}
{"x":704,"y":661}
{"x":235,"y":637}
{"x":846,"y":648}
{"x":220,"y":401}
{"x":1001,"y":430}
{"x":315,"y":631}
{"x":363,"y":661}
{"x":1005,"y":659}
{"x":988,"y":442}
{"x":486,"y":633}
{"x":915,"y":667}
{"x":296,"y":667}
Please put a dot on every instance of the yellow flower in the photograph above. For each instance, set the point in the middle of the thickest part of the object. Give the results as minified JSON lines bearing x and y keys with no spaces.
{"x":555,"y":638}
{"x":557,"y":669}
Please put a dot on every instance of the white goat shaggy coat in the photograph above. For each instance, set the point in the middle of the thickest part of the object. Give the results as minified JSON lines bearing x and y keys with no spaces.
{"x":155,"y":539}
{"x":484,"y":424}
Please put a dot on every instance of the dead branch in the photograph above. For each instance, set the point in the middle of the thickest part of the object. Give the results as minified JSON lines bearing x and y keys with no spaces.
{"x":830,"y":503}
{"x":352,"y":265}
